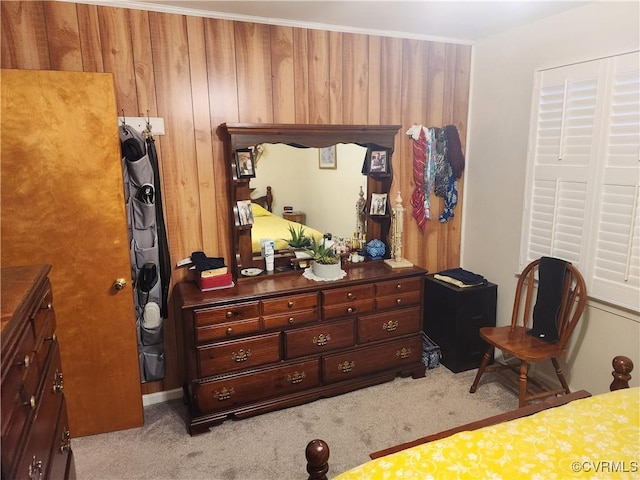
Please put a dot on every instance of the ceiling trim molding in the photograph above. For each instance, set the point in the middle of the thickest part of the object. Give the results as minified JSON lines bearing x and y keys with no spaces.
{"x":265,"y":20}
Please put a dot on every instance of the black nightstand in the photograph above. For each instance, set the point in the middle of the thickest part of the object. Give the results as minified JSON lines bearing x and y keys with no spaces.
{"x":452,"y":318}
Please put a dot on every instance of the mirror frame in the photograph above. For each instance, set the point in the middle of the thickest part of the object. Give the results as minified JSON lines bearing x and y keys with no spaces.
{"x":237,"y":136}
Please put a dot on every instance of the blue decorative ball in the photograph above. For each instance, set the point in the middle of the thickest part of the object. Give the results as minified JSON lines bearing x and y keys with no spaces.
{"x":375,"y":249}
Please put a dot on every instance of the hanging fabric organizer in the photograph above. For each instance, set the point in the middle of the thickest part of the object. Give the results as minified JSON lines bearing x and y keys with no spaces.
{"x":150,"y":262}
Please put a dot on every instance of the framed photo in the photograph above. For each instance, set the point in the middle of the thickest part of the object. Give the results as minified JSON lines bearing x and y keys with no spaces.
{"x":245,"y":215}
{"x":378,"y":204}
{"x":327,"y":157}
{"x":378,"y":160}
{"x":245,"y":167}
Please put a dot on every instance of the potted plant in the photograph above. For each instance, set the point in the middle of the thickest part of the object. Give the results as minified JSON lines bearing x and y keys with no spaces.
{"x":298,"y":238}
{"x":326,"y":261}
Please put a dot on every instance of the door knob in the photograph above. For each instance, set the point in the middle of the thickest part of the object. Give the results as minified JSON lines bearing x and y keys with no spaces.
{"x":119,"y":284}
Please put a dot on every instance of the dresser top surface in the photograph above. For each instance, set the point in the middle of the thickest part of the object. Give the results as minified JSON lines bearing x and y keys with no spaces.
{"x":292,"y":283}
{"x":17,"y":285}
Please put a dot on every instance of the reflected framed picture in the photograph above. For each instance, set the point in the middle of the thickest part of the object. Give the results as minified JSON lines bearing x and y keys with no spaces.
{"x":378,"y":204}
{"x":245,"y":215}
{"x":378,"y":160}
{"x":327,"y":158}
{"x":245,"y":167}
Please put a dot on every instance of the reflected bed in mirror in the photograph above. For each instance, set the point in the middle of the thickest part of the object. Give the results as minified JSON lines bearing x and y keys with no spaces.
{"x":268,"y":225}
{"x":324,"y":198}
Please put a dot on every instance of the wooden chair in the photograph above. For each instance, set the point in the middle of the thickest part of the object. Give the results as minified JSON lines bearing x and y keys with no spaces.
{"x":515,"y":340}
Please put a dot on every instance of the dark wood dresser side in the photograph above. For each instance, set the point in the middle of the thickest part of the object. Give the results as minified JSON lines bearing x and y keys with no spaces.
{"x":35,"y":432}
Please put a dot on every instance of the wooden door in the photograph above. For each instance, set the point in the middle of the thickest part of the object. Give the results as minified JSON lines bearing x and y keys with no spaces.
{"x":62,"y":204}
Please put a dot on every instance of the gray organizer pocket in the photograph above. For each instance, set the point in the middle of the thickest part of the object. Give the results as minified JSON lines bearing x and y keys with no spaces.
{"x":144,"y":215}
{"x":150,"y":336}
{"x":151,"y":362}
{"x":153,"y":295}
{"x":140,"y":171}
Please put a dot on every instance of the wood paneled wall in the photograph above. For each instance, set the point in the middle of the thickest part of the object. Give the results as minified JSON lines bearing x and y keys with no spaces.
{"x":198,"y":72}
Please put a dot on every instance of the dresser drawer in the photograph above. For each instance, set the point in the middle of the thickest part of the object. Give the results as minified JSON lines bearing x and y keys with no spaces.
{"x":14,"y":374}
{"x":22,"y":410}
{"x":389,"y":356}
{"x":398,"y":300}
{"x":318,"y":339}
{"x":242,"y":389}
{"x":227,"y":330}
{"x":235,"y":312}
{"x":45,"y":336}
{"x":238,"y":354}
{"x":47,"y":409}
{"x":399,"y":286}
{"x":350,"y":309}
{"x":382,"y":326}
{"x":43,"y":314}
{"x":289,"y":303}
{"x":337,"y":296}
{"x":61,"y":447}
{"x":290,"y":319}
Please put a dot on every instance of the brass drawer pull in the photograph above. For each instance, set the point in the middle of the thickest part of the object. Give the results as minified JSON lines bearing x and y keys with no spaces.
{"x":351,"y":310}
{"x":346,"y":366}
{"x":390,"y":326}
{"x":398,"y":301}
{"x":399,"y":286}
{"x":65,"y":441}
{"x":241,"y":356}
{"x":403,"y":353}
{"x":31,"y":403}
{"x":58,"y":382}
{"x":349,"y":296}
{"x":26,"y":362}
{"x":224,"y":394}
{"x":321,"y":339}
{"x":229,"y":331}
{"x":229,"y":314}
{"x":296,"y":377}
{"x":290,"y":304}
{"x":291,"y":320}
{"x":35,"y":469}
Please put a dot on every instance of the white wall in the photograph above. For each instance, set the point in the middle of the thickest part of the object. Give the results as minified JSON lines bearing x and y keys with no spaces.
{"x":500,"y":106}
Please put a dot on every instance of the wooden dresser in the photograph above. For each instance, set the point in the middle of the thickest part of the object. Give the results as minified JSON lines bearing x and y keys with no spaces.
{"x":282,"y":340}
{"x":35,"y":433}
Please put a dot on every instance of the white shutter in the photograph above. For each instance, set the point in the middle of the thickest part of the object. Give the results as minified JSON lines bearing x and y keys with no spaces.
{"x":582,"y":199}
{"x":616,"y":272}
{"x":564,"y":116}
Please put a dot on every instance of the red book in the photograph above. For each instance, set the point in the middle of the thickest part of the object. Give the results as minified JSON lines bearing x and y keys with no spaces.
{"x":218,"y":281}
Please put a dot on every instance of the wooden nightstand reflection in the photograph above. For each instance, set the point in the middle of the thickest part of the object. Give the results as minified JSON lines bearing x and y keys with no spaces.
{"x":299,"y":217}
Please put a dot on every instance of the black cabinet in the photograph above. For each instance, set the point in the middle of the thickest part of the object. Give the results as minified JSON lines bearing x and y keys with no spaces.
{"x":452,"y":318}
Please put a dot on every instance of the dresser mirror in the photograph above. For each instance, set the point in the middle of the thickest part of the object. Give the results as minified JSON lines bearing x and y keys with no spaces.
{"x":318,"y":177}
{"x":322,"y":197}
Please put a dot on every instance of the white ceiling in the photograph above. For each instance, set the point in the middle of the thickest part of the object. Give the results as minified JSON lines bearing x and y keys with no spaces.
{"x":464,"y":21}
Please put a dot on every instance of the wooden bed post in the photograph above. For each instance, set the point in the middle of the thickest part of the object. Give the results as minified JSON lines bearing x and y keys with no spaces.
{"x":622,"y":367}
{"x":317,"y":454}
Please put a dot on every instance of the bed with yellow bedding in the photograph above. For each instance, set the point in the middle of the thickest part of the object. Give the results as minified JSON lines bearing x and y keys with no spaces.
{"x":591,"y":437}
{"x":558,"y":443}
{"x":271,"y":226}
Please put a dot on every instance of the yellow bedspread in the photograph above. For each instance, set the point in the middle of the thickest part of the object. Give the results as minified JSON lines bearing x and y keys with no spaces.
{"x":269,"y":225}
{"x":596,"y":437}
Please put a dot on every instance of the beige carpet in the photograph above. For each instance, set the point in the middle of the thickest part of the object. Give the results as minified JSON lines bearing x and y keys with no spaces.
{"x":271,"y":446}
